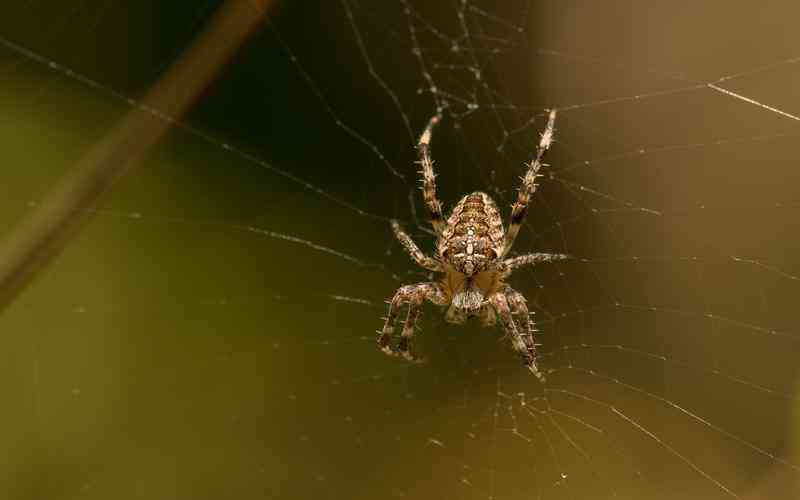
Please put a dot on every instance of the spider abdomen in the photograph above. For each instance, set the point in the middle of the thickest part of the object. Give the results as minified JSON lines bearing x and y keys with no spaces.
{"x":473,"y":237}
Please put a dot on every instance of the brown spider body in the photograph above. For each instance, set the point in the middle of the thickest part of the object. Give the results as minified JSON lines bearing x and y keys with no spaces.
{"x":471,"y":251}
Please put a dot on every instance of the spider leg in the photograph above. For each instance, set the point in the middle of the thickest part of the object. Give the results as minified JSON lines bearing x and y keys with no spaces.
{"x":522,"y":342}
{"x":420,"y":258}
{"x":428,"y":177}
{"x":519,"y":307}
{"x":407,"y":336}
{"x":507,"y":266}
{"x":413,"y":295}
{"x":528,"y":187}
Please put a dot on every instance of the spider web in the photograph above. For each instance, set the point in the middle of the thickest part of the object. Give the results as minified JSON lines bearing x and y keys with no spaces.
{"x":210,"y":333}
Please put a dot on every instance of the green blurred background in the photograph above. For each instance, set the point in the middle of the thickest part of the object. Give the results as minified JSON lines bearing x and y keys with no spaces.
{"x":171,"y":352}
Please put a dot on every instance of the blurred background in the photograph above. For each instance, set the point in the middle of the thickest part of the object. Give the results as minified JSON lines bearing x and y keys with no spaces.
{"x":210,"y":331}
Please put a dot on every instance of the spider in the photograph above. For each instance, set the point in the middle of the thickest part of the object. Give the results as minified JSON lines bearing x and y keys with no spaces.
{"x":471,"y":250}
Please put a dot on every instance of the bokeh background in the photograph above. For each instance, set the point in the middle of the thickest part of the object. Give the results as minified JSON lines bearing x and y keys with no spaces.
{"x":209,"y":333}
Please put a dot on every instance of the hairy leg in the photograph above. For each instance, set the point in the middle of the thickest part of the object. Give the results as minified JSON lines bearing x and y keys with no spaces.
{"x":519,"y":308}
{"x":520,"y":207}
{"x":501,"y":305}
{"x":413,"y":250}
{"x":413,"y":295}
{"x":428,"y":177}
{"x":507,"y":266}
{"x":407,"y":336}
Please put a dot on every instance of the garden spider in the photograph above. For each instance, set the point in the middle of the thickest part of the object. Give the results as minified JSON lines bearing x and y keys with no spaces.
{"x":471,"y":251}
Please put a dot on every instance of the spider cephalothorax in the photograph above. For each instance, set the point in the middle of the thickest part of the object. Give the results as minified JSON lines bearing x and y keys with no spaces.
{"x":471,"y":251}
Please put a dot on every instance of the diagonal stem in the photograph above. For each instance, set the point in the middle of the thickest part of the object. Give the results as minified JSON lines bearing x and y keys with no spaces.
{"x":44,"y":234}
